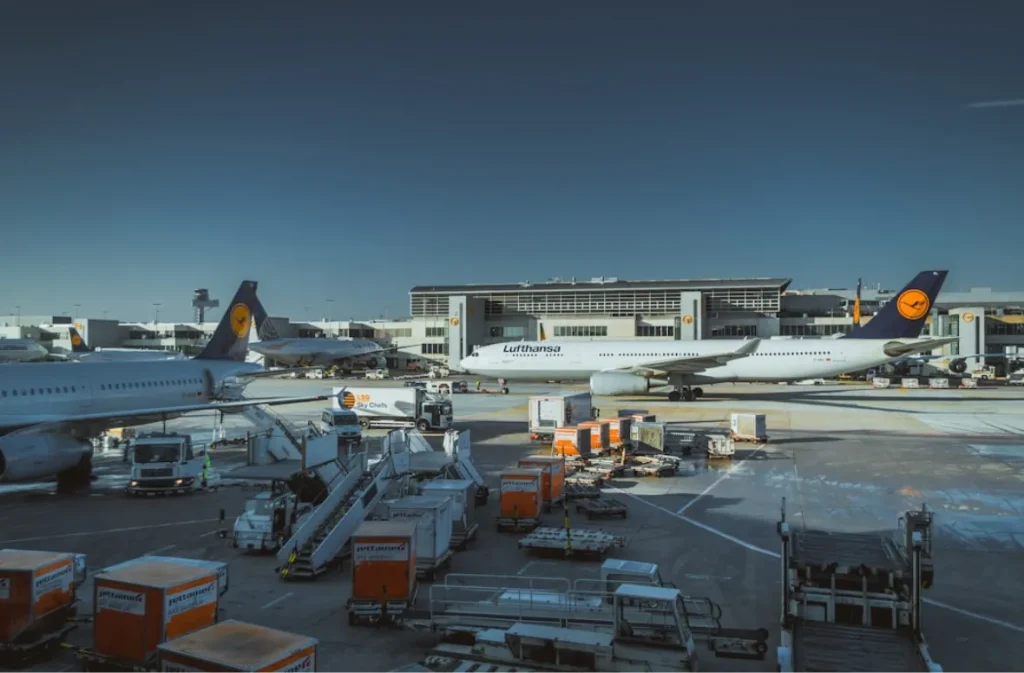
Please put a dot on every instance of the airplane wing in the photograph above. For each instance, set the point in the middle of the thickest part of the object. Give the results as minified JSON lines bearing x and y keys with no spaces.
{"x":691,"y":365}
{"x":270,"y":373}
{"x":138,"y":416}
{"x":898,"y":349}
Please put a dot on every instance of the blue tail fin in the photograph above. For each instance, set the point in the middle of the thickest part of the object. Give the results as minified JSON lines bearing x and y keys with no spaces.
{"x":903,"y":317}
{"x":78,"y":344}
{"x":231,"y":339}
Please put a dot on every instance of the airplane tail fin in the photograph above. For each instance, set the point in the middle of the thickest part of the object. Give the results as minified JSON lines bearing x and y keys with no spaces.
{"x":78,"y":344}
{"x":231,"y":339}
{"x":904,"y":316}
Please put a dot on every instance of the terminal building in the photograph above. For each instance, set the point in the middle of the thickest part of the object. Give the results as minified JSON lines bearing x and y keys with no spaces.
{"x":448,"y":322}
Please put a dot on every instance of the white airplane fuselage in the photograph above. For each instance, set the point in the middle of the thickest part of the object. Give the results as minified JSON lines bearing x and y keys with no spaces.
{"x":316,"y":352}
{"x":124,"y":355}
{"x":48,"y":392}
{"x":22,"y":350}
{"x":773,"y":361}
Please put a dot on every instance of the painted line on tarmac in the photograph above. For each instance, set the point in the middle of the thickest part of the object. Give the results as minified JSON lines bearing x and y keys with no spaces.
{"x":109,"y":531}
{"x":772,"y":554}
{"x":728,"y":473}
{"x":278,"y":600}
{"x":157,"y":551}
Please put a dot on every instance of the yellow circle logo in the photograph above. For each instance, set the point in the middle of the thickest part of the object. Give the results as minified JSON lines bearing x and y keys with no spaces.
{"x":687,"y":319}
{"x":76,"y":340}
{"x":913,"y":304}
{"x":241,"y":317}
{"x":968,"y":317}
{"x":454,"y":322}
{"x":348,"y":400}
{"x":78,"y":326}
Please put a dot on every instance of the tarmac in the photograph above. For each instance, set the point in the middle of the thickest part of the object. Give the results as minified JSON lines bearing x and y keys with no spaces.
{"x":846,"y":459}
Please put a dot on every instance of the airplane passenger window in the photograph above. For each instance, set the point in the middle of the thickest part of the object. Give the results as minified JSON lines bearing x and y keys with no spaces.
{"x":4,"y":393}
{"x":49,"y":391}
{"x":72,"y":389}
{"x":31,"y":391}
{"x":14,"y":392}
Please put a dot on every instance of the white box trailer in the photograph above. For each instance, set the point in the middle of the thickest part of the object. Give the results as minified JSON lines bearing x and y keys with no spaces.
{"x":748,"y":427}
{"x":463,"y":495}
{"x":433,"y":517}
{"x":548,"y":412}
{"x":395,"y":407}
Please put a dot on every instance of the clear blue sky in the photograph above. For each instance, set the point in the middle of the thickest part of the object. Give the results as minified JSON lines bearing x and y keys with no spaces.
{"x":352,"y":150}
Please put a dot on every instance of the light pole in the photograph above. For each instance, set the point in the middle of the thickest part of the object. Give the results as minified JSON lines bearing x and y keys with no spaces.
{"x":104,"y":315}
{"x":330,"y":310}
{"x":18,"y":309}
{"x":77,"y":306}
{"x":156,"y":313}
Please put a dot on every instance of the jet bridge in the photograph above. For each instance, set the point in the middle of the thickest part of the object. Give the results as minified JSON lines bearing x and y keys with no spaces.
{"x":351,"y":498}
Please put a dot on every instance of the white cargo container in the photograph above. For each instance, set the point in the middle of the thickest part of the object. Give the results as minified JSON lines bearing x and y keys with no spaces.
{"x":548,"y":412}
{"x":463,"y":495}
{"x":433,"y":517}
{"x":395,"y":407}
{"x":750,"y":427}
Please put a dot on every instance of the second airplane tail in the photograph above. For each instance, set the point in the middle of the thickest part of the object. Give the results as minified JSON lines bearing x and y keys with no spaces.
{"x":230,"y":341}
{"x":78,"y":344}
{"x":906,"y":313}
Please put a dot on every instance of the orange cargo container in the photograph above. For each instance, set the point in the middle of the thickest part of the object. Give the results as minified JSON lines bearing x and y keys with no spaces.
{"x":598,"y":435}
{"x":521,"y":495}
{"x":238,"y":646}
{"x":552,"y":484}
{"x":139,"y":606}
{"x":384,"y":561}
{"x":618,"y":430}
{"x":572,"y":441}
{"x":33,"y":586}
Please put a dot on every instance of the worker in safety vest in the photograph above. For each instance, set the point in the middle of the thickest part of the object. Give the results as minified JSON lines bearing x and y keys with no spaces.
{"x":206,"y":468}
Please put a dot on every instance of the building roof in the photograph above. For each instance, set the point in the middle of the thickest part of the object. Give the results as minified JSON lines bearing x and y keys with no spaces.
{"x":557,"y":285}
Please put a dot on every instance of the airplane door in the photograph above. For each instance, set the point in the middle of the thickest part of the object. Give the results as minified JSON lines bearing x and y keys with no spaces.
{"x":209,"y":385}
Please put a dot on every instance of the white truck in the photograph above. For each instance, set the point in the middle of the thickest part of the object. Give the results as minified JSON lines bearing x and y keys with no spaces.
{"x":395,"y":407}
{"x":165,"y":463}
{"x":342,"y":422}
{"x":548,"y":412}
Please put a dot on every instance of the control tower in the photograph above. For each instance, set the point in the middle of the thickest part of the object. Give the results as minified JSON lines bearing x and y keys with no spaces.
{"x":201,"y":301}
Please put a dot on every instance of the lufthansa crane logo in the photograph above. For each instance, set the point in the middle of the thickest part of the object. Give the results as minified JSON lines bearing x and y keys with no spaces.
{"x":76,"y":340}
{"x":241,"y":317}
{"x":968,"y":317}
{"x":455,"y":322}
{"x":687,"y":319}
{"x":347,"y":399}
{"x":913,"y":304}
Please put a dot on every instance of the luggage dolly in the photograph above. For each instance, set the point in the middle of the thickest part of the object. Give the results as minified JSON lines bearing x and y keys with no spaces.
{"x":379,"y":613}
{"x":508,"y":524}
{"x":573,"y":542}
{"x":90,"y":660}
{"x":40,"y":641}
{"x":602,"y":508}
{"x":579,"y":491}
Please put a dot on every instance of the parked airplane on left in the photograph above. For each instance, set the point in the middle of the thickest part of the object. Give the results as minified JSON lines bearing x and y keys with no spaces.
{"x":22,"y":350}
{"x":49,"y":412}
{"x":81,"y":352}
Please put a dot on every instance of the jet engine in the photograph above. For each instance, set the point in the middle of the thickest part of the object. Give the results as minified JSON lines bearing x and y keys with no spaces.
{"x":33,"y":456}
{"x":616,"y":383}
{"x":378,"y":362}
{"x":958,"y":366}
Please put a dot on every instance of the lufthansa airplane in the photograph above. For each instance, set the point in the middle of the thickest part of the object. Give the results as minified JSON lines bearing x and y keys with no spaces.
{"x":22,"y":350}
{"x":631,"y":367}
{"x":341,"y":353}
{"x":49,"y":412}
{"x":81,"y":352}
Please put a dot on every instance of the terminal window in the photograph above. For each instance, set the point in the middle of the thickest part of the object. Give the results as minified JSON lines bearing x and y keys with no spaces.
{"x":581,"y":330}
{"x":509,"y":331}
{"x":726,"y":331}
{"x":434,"y":349}
{"x":436,"y":331}
{"x":655,"y":331}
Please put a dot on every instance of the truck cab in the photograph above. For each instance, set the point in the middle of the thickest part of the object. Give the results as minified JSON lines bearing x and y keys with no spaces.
{"x":165,"y":463}
{"x":342,"y":422}
{"x":435,"y":414}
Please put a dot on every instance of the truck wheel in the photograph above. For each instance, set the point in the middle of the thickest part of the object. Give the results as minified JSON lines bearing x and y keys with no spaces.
{"x":364,"y":424}
{"x":504,"y":391}
{"x":422,"y":425}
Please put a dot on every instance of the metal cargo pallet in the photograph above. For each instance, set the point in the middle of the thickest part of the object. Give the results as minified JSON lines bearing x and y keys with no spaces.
{"x":572,"y":542}
{"x":460,"y":541}
{"x":748,"y":438}
{"x":577,"y":491}
{"x":450,"y":664}
{"x":651,"y":470}
{"x":507,"y":523}
{"x":426,"y":569}
{"x":602,"y":508}
{"x":585,"y":478}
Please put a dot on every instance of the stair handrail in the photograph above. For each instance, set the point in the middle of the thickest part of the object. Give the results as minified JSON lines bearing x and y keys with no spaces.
{"x":342,"y":489}
{"x":346,"y":526}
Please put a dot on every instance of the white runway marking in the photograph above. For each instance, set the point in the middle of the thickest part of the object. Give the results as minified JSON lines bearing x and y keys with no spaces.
{"x":718,"y":481}
{"x":278,"y":600}
{"x":767,"y":552}
{"x":109,"y":531}
{"x":157,"y":551}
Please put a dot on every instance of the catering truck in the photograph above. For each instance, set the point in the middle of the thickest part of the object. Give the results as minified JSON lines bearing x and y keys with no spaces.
{"x":548,"y":412}
{"x":165,"y":463}
{"x":395,"y":407}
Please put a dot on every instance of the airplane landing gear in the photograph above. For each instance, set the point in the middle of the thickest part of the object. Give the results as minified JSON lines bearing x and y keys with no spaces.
{"x":687,"y":394}
{"x":76,"y":478}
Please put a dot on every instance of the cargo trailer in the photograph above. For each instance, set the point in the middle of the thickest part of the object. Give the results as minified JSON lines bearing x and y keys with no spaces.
{"x":37,"y":602}
{"x":748,"y":427}
{"x":522,"y":499}
{"x":463,"y":495}
{"x":548,"y":412}
{"x":384,"y":584}
{"x":239,"y":646}
{"x":572,"y":441}
{"x":552,"y":477}
{"x":432,"y":515}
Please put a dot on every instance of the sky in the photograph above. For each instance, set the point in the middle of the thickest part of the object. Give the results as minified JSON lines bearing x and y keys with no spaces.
{"x":350,"y":151}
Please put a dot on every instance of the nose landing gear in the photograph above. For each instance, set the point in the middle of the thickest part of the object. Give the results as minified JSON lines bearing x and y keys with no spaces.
{"x":687,"y":394}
